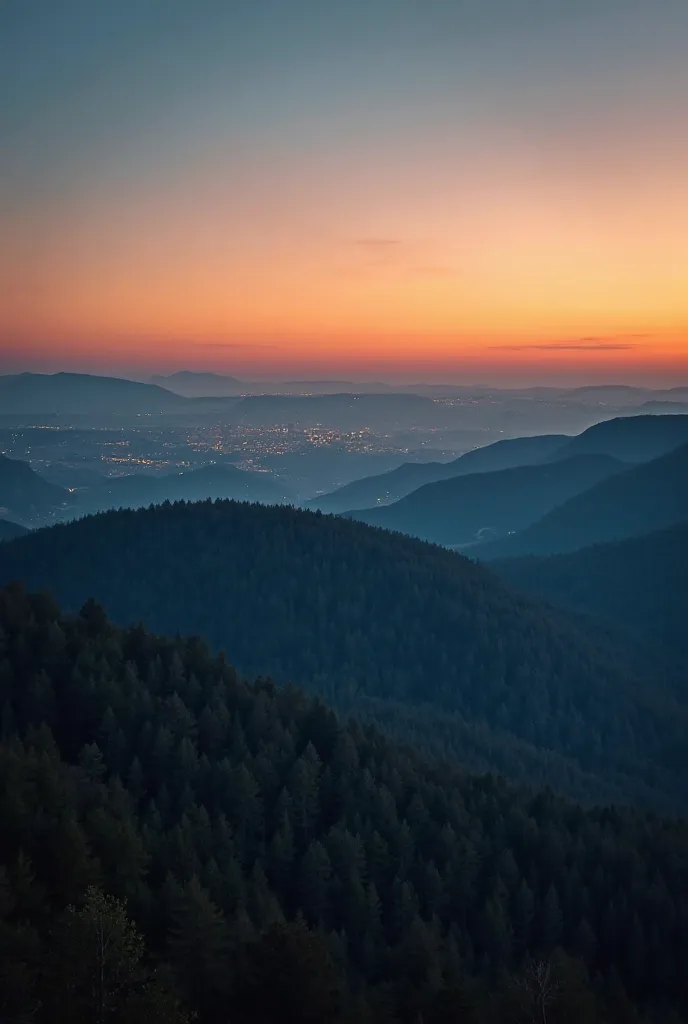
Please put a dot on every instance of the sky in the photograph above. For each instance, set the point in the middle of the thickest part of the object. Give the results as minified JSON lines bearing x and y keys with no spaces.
{"x":483,"y":190}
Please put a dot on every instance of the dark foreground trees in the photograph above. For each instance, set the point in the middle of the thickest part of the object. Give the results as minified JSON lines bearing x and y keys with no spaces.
{"x":175,"y":841}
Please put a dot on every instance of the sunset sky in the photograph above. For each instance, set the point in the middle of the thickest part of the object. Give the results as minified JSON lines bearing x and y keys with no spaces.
{"x":477,"y":189}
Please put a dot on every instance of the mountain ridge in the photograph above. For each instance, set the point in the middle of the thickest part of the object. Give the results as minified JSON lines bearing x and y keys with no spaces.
{"x":375,"y":622}
{"x":640,"y":583}
{"x":397,"y":483}
{"x":459,"y":511}
{"x":644,"y":498}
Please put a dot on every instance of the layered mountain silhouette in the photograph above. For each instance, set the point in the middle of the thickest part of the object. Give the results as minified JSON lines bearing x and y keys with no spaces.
{"x":629,"y":439}
{"x":640,"y":583}
{"x":639,"y":500}
{"x":422,"y":641}
{"x":466,"y":510}
{"x":384,"y":488}
{"x":80,"y":394}
{"x":198,"y":385}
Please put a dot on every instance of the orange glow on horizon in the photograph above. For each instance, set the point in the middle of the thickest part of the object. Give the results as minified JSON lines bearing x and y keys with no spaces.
{"x":489,"y":265}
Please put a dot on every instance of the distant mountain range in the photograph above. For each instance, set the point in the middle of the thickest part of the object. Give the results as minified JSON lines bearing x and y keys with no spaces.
{"x":629,"y":438}
{"x":344,"y":411}
{"x":470,"y":509}
{"x":640,"y":500}
{"x":78,"y":393}
{"x":482,"y":507}
{"x":416,"y":638}
{"x":215,"y":385}
{"x":203,"y":384}
{"x":81,"y":394}
{"x":640,"y":583}
{"x":384,"y":488}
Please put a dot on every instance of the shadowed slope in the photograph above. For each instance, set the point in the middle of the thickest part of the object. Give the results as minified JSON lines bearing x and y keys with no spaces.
{"x":462,"y":511}
{"x":428,"y":644}
{"x":641,"y":583}
{"x":642,"y":499}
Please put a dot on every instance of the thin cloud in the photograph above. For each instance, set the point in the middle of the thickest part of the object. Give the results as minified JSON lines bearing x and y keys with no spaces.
{"x":397,"y":255}
{"x":377,"y":243}
{"x":231,"y":345}
{"x":378,"y":252}
{"x":575,"y":344}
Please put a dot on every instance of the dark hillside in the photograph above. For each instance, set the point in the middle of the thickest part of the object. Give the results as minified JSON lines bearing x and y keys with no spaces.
{"x":384,"y":626}
{"x":641,"y":583}
{"x":629,"y":438}
{"x":464,"y":510}
{"x":384,"y":488}
{"x":640,"y":500}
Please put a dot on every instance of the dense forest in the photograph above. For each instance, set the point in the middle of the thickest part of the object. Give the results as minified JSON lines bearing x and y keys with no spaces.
{"x":175,"y":841}
{"x":640,"y":583}
{"x":459,"y":510}
{"x":647,"y":497}
{"x":422,"y":642}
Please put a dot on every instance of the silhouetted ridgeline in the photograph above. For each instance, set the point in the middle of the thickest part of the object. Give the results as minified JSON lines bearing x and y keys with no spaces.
{"x":81,"y":393}
{"x":642,"y":499}
{"x":427,"y":644}
{"x":281,"y":866}
{"x":641,"y":583}
{"x":387,"y":487}
{"x":630,"y":439}
{"x":455,"y":511}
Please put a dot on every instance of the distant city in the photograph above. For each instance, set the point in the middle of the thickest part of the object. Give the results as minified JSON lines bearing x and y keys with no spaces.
{"x":95,"y":437}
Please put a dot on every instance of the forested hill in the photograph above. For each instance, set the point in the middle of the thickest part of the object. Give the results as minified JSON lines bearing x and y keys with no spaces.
{"x":429,"y":645}
{"x":641,"y":583}
{"x":175,"y":841}
{"x":461,"y":510}
{"x":640,"y":500}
